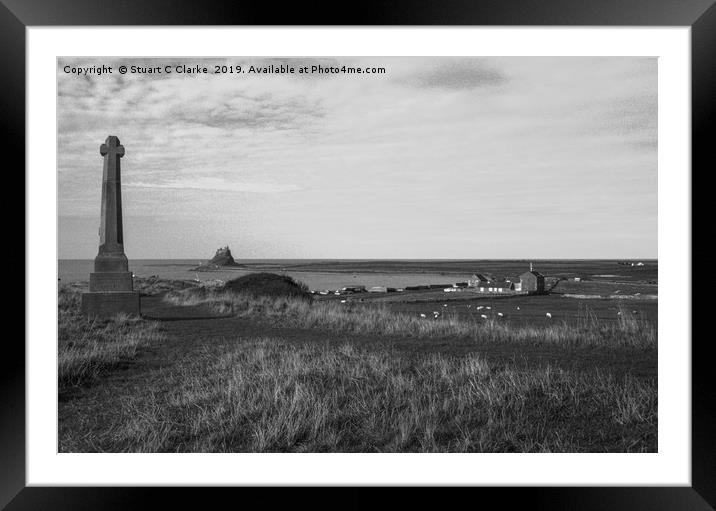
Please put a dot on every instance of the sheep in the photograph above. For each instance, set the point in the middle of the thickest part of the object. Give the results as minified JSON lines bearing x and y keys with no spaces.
{"x":483,"y":316}
{"x":549,"y":315}
{"x":500,"y":314}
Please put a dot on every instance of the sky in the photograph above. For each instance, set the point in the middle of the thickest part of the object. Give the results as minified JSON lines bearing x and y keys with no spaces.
{"x":440,"y":157}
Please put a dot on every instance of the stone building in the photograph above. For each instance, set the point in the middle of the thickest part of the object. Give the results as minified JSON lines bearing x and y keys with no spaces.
{"x":532,"y":282}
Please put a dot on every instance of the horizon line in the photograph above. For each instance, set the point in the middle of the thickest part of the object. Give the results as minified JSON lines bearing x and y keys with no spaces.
{"x":381,"y":259}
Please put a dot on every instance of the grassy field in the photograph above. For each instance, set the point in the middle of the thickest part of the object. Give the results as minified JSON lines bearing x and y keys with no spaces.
{"x":525,"y":310}
{"x":270,"y":395}
{"x":88,"y":349}
{"x":377,"y":319}
{"x":569,"y":301}
{"x":272,"y":374}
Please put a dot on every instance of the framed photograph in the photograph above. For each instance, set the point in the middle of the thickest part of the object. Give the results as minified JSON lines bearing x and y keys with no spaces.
{"x":420,"y":247}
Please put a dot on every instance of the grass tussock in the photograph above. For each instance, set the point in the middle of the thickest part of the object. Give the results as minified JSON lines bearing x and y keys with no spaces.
{"x":87,"y":349}
{"x":267,"y":395}
{"x":357,"y":318}
{"x":268,"y":284}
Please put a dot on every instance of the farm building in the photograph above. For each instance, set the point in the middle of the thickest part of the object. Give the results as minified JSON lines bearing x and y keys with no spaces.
{"x":532,"y":282}
{"x":378,"y":289}
{"x":495,"y":287}
{"x":477,"y":280}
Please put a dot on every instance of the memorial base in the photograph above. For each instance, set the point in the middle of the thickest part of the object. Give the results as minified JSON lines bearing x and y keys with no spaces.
{"x":106,"y":305}
{"x":103,"y":282}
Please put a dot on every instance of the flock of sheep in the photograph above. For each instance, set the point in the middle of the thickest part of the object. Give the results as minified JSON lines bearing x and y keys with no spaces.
{"x":436,"y":314}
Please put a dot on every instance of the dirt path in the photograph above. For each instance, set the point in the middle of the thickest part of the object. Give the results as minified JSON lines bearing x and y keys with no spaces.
{"x":188,"y":329}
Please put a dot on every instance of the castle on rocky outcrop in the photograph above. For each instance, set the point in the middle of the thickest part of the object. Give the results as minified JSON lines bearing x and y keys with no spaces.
{"x":221,"y":259}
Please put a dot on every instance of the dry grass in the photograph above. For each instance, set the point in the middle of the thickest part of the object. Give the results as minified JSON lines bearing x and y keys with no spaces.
{"x":267,"y":395}
{"x":629,"y":331}
{"x":87,"y":349}
{"x":256,"y":394}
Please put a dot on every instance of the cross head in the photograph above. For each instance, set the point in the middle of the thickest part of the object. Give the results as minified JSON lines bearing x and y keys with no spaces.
{"x":111,"y":147}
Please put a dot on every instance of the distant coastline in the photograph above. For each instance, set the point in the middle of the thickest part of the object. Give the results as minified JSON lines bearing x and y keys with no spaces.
{"x":321,"y":274}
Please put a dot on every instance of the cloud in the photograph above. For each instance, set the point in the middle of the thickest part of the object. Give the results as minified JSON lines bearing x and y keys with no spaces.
{"x":216,"y":184}
{"x":458,"y":74}
{"x":267,"y":112}
{"x":180,"y":100}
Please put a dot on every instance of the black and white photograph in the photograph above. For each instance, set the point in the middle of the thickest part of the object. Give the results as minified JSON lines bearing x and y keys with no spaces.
{"x":357,"y":254}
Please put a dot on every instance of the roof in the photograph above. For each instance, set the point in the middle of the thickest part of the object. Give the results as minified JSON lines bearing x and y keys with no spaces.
{"x":532,"y":272}
{"x":479,"y":276}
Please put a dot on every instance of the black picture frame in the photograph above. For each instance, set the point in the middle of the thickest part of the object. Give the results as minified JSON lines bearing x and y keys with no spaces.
{"x":700,"y":15}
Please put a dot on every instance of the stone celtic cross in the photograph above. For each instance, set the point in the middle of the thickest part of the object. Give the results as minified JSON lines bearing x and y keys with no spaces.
{"x":110,"y":229}
{"x":111,"y":287}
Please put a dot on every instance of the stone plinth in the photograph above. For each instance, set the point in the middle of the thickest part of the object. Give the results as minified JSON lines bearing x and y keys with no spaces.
{"x":110,"y":282}
{"x":105,"y":305}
